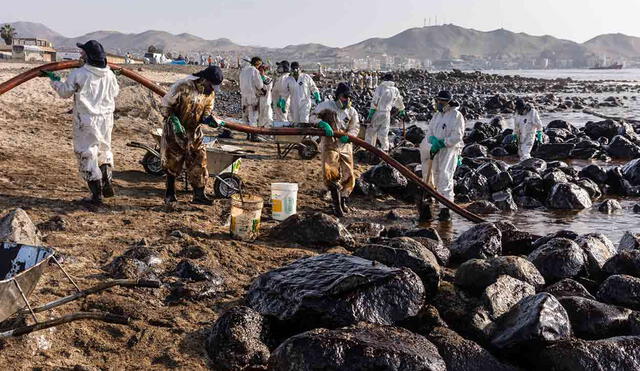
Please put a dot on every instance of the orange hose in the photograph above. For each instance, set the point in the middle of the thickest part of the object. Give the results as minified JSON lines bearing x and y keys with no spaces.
{"x":56,"y":66}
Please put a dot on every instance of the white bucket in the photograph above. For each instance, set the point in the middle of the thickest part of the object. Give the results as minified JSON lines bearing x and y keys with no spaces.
{"x":284,"y":198}
{"x":245,"y":217}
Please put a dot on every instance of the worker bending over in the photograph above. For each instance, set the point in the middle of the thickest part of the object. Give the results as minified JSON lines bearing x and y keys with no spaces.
{"x":337,"y":153}
{"x":94,"y":88}
{"x":188,"y":105}
{"x":385,"y":97}
{"x":527,"y":128}
{"x":300,"y":88}
{"x":439,"y":152}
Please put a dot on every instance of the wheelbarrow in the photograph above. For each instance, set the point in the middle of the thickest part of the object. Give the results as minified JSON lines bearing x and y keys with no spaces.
{"x":223,"y":162}
{"x":22,"y":266}
{"x":306,"y":145}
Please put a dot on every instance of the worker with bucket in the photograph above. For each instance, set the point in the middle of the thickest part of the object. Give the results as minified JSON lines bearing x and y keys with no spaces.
{"x":440,"y":152}
{"x":187,"y":105}
{"x":94,"y":88}
{"x":337,"y":153}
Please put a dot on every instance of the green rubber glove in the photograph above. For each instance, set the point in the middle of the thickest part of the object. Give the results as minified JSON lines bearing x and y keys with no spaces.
{"x":514,"y":137}
{"x":326,"y":127}
{"x":282,"y":104}
{"x":264,"y":78}
{"x":402,"y":113}
{"x":539,"y":136}
{"x":212,"y":122}
{"x":372,"y":112}
{"x":441,"y":143}
{"x":459,"y":161}
{"x":177,"y":126}
{"x":316,"y":96}
{"x":344,"y":139}
{"x":52,"y":76}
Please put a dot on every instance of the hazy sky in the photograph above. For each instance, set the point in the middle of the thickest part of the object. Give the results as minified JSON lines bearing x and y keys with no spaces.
{"x":277,"y":23}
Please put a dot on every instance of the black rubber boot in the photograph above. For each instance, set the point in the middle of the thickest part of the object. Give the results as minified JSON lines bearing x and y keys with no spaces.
{"x":337,"y":203}
{"x":107,"y":184}
{"x":95,"y":186}
{"x":344,"y":200}
{"x":170,"y":194}
{"x":200,"y":198}
{"x":424,"y":209}
{"x":445,"y":215}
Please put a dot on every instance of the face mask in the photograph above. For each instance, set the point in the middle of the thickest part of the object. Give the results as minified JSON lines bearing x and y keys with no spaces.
{"x":295,"y":73}
{"x":440,"y":107}
{"x":344,"y":104}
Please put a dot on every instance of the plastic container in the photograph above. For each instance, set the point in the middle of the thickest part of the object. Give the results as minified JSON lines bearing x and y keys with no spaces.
{"x":284,"y":199}
{"x":245,"y":217}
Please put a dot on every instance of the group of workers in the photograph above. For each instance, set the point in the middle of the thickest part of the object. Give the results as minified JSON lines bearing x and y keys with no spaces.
{"x":189,"y":104}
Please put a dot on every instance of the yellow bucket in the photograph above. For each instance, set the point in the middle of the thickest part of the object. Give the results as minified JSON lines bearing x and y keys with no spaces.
{"x":245,"y":217}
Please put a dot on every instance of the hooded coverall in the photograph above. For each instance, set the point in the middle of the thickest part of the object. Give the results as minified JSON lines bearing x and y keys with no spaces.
{"x":188,"y":102}
{"x":250,"y":89}
{"x":300,"y":91}
{"x":337,"y":157}
{"x":385,"y":97}
{"x":448,"y":126}
{"x":277,"y":93}
{"x":265,"y":112}
{"x":94,"y":91}
{"x":525,"y":127}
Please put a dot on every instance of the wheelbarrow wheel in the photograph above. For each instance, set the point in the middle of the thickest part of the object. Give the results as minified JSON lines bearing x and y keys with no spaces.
{"x":226,"y":185}
{"x":308,"y":149}
{"x":152,"y":165}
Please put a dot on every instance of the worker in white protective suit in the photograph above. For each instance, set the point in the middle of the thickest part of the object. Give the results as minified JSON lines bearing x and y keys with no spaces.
{"x":440,"y":151}
{"x":385,"y":97}
{"x":265,"y":112}
{"x":94,"y":88}
{"x":337,"y":153}
{"x":300,"y":88}
{"x":527,"y":128}
{"x":281,"y":105}
{"x":251,"y":87}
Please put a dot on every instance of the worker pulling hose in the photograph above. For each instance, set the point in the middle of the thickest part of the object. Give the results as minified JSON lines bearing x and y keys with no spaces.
{"x":57,"y":66}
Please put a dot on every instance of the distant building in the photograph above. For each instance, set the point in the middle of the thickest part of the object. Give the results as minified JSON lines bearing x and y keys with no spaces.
{"x":118,"y":59}
{"x":32,"y":49}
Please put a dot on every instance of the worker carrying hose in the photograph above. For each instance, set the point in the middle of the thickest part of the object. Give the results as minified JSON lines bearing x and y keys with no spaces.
{"x":385,"y":97}
{"x":94,"y":88}
{"x":527,"y":128}
{"x":440,"y":151}
{"x":251,"y":88}
{"x":300,"y":88}
{"x":337,"y":153}
{"x":188,"y":105}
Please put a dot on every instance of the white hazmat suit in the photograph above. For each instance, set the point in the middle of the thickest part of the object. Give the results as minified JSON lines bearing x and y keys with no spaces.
{"x":277,"y":93}
{"x":265,"y":112}
{"x":251,"y":86}
{"x":94,"y":91}
{"x":448,"y":126}
{"x":385,"y":97}
{"x":300,"y":91}
{"x":525,"y":127}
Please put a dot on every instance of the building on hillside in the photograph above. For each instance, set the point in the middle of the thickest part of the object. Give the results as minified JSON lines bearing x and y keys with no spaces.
{"x":5,"y":52}
{"x":32,"y":49}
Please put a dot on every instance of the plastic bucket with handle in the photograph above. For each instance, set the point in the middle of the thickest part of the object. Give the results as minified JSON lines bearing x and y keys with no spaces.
{"x":246,"y":211}
{"x":284,"y":197}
